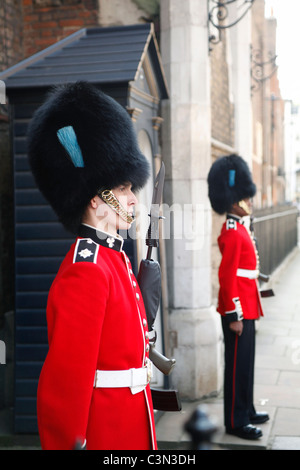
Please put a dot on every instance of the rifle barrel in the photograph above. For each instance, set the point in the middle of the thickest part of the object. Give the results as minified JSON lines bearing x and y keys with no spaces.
{"x":149,"y":252}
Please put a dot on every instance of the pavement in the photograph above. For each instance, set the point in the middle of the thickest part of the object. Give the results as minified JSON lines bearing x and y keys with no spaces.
{"x":277,"y":376}
{"x":277,"y":381}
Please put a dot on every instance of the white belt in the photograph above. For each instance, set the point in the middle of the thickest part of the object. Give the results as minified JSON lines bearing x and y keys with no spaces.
{"x":135,"y":379}
{"x":249,"y":273}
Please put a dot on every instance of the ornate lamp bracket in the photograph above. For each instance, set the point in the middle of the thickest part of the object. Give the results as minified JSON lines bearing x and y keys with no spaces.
{"x":218,"y":13}
{"x":261,"y":70}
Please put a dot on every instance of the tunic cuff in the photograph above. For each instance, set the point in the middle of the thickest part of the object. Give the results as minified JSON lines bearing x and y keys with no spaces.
{"x":237,"y":313}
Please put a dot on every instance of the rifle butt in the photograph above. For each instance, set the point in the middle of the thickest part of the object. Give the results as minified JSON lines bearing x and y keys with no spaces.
{"x":162,"y":363}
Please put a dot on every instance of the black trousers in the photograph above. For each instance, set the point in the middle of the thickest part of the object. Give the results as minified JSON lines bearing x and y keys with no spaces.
{"x":238,"y":374}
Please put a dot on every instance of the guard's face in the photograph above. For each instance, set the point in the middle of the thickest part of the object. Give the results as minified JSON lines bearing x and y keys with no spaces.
{"x":245,"y":207}
{"x":128,"y":200}
{"x":115,"y":215}
{"x":242,"y":208}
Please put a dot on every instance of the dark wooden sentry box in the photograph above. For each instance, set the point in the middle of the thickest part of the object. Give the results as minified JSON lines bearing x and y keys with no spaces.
{"x":124,"y":62}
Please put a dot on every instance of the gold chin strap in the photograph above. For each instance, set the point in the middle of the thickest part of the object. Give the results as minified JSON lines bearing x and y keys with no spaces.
{"x":243,"y":205}
{"x":110,"y":199}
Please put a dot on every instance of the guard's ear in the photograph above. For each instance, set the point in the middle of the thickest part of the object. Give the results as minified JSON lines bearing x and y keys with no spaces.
{"x":94,"y":202}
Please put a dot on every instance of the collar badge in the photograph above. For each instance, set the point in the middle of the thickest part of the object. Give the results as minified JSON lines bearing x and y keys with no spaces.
{"x":110,"y":241}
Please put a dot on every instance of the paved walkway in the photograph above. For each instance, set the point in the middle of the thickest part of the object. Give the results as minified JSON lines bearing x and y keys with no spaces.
{"x":277,"y":375}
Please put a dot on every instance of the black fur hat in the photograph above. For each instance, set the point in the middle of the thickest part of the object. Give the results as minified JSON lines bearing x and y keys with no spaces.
{"x":80,"y":141}
{"x":229,"y":181}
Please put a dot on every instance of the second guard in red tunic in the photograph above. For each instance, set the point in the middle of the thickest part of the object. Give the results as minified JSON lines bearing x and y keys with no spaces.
{"x":94,"y":384}
{"x":238,"y":271}
{"x":230,"y":191}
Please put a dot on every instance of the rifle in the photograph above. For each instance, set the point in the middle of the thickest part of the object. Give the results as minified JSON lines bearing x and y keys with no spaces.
{"x":149,"y":280}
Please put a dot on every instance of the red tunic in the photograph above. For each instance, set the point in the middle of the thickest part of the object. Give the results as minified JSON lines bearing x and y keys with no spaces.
{"x":96,"y":320}
{"x":238,"y":252}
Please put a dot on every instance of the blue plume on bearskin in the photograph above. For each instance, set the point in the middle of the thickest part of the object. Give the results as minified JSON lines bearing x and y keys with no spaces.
{"x":68,"y":139}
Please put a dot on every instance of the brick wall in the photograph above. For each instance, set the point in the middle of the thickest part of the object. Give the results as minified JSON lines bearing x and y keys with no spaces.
{"x":222,"y":110}
{"x":48,"y":21}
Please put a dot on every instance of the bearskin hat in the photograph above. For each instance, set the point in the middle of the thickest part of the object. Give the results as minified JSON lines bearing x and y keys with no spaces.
{"x":229,"y":181}
{"x":80,"y":141}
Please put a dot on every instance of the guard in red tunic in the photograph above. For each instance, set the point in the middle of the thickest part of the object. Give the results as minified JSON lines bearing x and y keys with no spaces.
{"x":230,"y":191}
{"x":94,"y":384}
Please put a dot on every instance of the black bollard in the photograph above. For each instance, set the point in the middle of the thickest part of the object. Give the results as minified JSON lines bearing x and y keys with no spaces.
{"x":201,"y":429}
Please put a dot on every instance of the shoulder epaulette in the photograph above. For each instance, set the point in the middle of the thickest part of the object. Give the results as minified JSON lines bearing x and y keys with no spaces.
{"x":231,"y":224}
{"x":85,"y":250}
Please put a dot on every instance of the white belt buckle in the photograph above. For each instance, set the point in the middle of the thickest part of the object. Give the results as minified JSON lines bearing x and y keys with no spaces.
{"x":145,"y":372}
